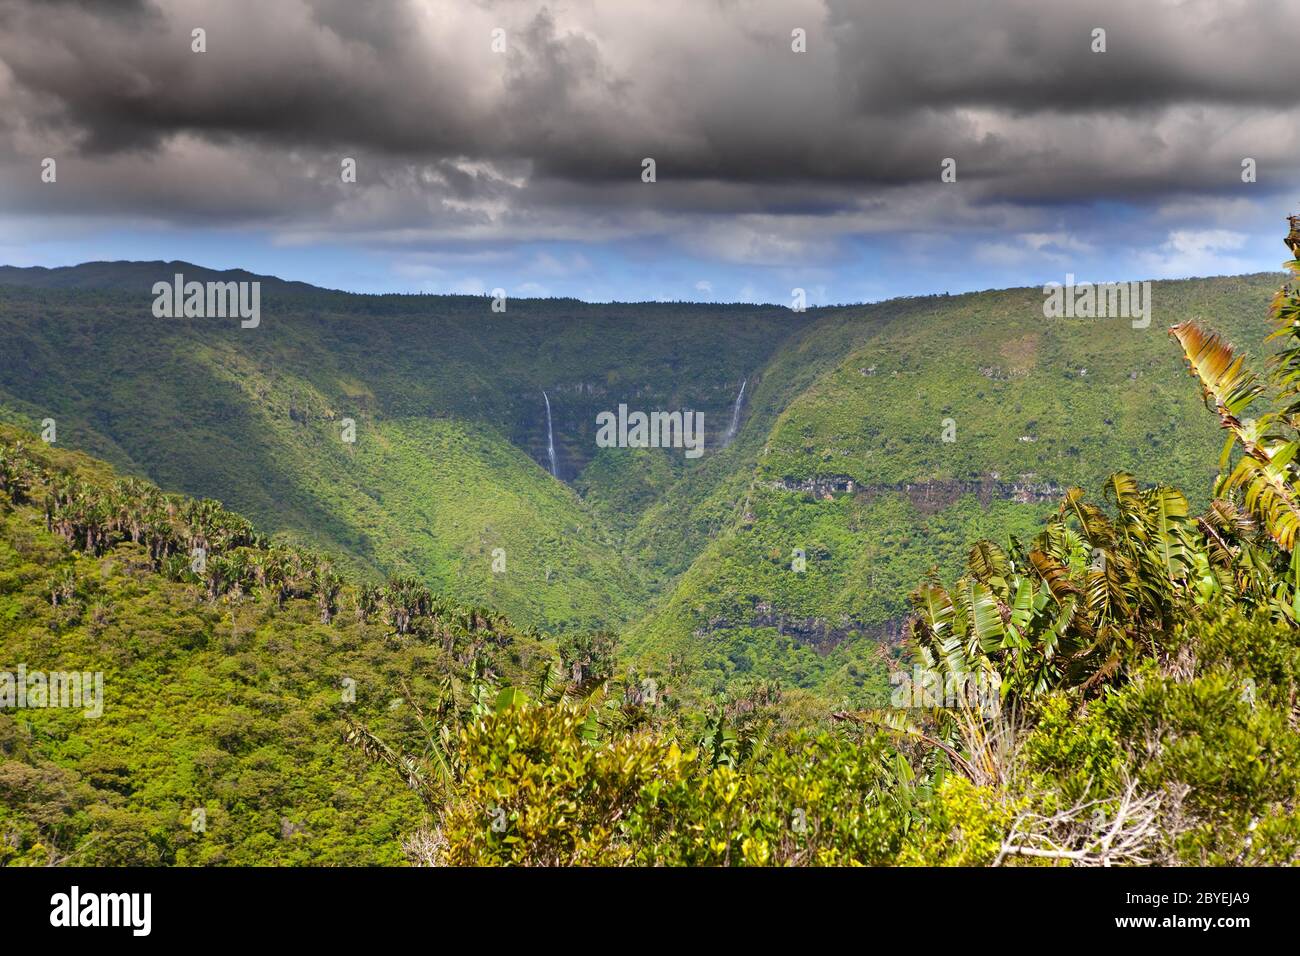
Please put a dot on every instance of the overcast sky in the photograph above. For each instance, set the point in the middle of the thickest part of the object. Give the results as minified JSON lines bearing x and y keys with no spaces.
{"x":775,"y":168}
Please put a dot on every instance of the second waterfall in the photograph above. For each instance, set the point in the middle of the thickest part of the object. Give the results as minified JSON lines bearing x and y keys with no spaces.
{"x":550,"y":439}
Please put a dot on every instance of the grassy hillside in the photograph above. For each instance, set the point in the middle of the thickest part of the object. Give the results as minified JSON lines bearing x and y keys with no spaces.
{"x":855,"y":472}
{"x":840,"y":455}
{"x":227,"y":735}
{"x":1125,"y":680}
{"x":232,"y":707}
{"x":449,"y":461}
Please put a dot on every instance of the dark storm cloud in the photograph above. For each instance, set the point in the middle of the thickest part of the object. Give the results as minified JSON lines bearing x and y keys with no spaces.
{"x":1028,"y":55}
{"x":318,"y":74}
{"x":456,"y":140}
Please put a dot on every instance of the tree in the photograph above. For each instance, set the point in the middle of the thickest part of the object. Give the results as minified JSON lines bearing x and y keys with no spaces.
{"x":1264,"y":481}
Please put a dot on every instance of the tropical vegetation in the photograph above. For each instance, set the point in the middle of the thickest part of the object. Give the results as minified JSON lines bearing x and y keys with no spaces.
{"x":1117,"y":685}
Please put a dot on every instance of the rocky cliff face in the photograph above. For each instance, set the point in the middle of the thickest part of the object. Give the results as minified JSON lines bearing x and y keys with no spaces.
{"x":929,"y":496}
{"x":575,"y":405}
{"x":820,"y":634}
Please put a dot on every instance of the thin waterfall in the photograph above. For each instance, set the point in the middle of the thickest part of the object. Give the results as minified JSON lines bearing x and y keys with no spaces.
{"x":735,"y":415}
{"x":550,"y":438}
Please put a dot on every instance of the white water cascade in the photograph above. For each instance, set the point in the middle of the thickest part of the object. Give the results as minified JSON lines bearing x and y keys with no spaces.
{"x":550,"y":438}
{"x":735,"y":415}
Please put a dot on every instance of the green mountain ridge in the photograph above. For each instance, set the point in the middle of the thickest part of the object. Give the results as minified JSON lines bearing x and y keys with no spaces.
{"x":1084,"y":395}
{"x":687,"y":559}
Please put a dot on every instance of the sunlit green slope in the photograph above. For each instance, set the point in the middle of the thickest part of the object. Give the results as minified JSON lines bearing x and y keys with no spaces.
{"x":855,"y":482}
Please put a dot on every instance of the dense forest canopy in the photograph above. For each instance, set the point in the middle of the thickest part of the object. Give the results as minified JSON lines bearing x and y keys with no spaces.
{"x":1112,"y":680}
{"x":870,"y":445}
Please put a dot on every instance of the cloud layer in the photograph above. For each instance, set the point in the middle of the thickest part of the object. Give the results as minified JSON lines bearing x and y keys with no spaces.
{"x":764,"y":156}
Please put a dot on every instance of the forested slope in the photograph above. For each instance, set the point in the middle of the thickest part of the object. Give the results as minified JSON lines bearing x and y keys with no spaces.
{"x":838,"y":463}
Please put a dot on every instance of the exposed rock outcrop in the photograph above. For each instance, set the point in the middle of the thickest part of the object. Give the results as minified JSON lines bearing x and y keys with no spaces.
{"x":928,"y":496}
{"x":818,"y":633}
